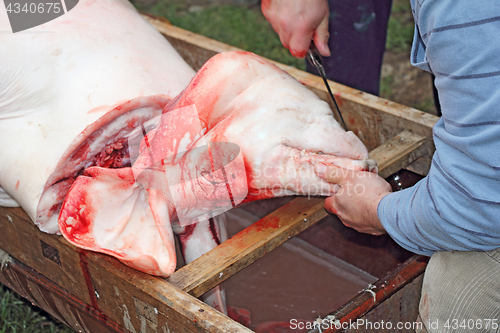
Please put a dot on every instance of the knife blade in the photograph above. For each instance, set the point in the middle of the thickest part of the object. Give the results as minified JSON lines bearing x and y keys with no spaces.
{"x":315,"y":59}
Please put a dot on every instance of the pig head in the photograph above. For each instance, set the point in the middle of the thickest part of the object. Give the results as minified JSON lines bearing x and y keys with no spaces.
{"x":242,"y":130}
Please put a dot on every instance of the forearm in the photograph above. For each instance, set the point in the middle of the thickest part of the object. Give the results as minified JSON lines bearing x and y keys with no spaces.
{"x":434,"y":215}
{"x":456,"y":207}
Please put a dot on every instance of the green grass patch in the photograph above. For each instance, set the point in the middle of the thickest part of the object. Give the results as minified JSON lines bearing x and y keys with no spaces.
{"x":386,"y":85}
{"x":18,"y":315}
{"x":426,"y":106}
{"x":235,"y":25}
{"x":400,"y":27}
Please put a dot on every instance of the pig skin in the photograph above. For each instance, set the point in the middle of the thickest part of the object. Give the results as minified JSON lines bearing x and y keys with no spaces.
{"x":282,"y":129}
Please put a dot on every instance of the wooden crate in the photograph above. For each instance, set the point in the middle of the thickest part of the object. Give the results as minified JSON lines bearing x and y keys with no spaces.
{"x":92,"y":292}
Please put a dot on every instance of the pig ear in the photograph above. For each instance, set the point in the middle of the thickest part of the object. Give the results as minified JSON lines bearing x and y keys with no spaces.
{"x":107,"y":211}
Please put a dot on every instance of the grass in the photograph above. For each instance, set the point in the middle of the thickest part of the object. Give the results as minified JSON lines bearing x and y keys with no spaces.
{"x":239,"y":26}
{"x":400,"y":27}
{"x":18,"y":315}
{"x":386,"y":84}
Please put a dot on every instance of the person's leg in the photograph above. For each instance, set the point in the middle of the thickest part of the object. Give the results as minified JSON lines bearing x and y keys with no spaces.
{"x":461,"y":292}
{"x":358,"y":30}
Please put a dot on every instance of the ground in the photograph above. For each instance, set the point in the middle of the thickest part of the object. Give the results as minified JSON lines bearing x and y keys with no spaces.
{"x":406,"y":84}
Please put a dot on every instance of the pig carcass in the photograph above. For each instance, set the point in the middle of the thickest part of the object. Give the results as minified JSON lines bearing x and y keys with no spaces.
{"x":75,"y":90}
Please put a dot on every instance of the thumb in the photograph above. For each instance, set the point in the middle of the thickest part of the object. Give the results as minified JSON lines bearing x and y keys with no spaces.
{"x":299,"y":44}
{"x":321,"y":36}
{"x":330,"y":173}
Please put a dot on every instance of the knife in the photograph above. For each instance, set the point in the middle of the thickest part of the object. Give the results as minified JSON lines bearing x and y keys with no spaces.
{"x":315,"y":59}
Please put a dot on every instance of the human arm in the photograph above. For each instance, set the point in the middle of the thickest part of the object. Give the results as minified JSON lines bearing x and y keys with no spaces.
{"x":457,"y":205}
{"x":297,"y":22}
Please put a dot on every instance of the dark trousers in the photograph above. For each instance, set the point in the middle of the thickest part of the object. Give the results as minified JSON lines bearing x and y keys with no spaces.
{"x":358,"y":30}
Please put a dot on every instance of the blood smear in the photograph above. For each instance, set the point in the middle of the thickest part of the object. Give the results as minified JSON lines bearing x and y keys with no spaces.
{"x":294,"y":281}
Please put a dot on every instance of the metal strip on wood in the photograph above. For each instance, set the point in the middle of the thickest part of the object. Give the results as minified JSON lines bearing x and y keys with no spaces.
{"x":372,"y":296}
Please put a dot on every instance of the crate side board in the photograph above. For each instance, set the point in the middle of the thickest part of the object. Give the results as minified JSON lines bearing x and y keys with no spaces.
{"x":42,"y":252}
{"x":378,"y":293}
{"x":152,"y":301}
{"x":55,"y":300}
{"x":128,"y":297}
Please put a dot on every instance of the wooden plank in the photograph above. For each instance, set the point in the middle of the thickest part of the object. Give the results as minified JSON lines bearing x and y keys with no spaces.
{"x":399,"y":152}
{"x":134,"y":300}
{"x":145,"y":303}
{"x":373,"y":119}
{"x":241,"y":250}
{"x":42,"y":252}
{"x":55,"y":300}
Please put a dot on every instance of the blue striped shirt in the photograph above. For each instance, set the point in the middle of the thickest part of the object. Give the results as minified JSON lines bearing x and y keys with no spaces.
{"x":457,"y":206}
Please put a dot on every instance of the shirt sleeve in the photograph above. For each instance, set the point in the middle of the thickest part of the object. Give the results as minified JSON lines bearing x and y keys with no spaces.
{"x":457,"y":206}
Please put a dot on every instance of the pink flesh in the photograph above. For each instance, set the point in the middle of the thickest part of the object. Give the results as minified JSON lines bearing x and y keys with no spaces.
{"x":103,"y":143}
{"x":279,"y":126}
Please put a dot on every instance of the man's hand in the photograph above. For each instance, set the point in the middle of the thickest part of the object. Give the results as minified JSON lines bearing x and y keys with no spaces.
{"x":297,"y":22}
{"x":357,"y":199}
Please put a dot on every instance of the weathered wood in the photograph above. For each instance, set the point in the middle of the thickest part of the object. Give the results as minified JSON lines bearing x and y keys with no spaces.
{"x":137,"y":301}
{"x":244,"y":248}
{"x":399,"y":152}
{"x":42,"y":252}
{"x":143,"y":301}
{"x":55,"y":300}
